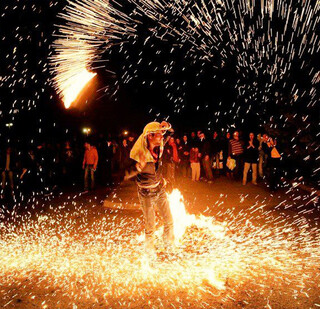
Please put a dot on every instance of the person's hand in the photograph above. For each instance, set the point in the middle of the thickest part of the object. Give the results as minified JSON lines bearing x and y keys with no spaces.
{"x":83,"y":167}
{"x":229,"y":158}
{"x":206,"y":158}
{"x":186,"y":153}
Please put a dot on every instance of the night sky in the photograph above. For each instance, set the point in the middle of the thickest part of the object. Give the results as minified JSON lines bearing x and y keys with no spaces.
{"x":212,"y":66}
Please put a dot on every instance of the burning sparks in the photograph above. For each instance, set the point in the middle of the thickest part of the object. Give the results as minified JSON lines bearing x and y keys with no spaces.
{"x":74,"y":85}
{"x":102,"y":261}
{"x":264,"y":44}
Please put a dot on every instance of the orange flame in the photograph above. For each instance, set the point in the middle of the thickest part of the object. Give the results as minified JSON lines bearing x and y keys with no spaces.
{"x":74,"y":86}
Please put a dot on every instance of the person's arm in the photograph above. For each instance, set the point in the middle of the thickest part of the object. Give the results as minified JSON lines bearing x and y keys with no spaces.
{"x":96,"y":159}
{"x":136,"y":167}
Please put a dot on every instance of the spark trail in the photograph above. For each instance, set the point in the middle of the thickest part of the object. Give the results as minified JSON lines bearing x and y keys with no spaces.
{"x":101,"y":262}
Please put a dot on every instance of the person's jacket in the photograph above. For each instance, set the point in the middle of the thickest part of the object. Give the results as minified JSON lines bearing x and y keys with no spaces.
{"x":91,"y":157}
{"x":251,"y":155}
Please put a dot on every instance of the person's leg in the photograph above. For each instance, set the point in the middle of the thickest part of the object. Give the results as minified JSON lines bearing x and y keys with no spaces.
{"x":86,"y":176}
{"x":254,"y":173}
{"x":198,"y":171}
{"x":92,"y":178}
{"x":3,"y":181}
{"x":207,"y":168}
{"x":10,"y":176}
{"x":165,"y":212}
{"x":193,"y":171}
{"x":184,"y":169}
{"x":204,"y":164}
{"x":245,"y":172}
{"x":173,"y":173}
{"x":149,"y":222}
{"x":217,"y":160}
{"x":261,"y":166}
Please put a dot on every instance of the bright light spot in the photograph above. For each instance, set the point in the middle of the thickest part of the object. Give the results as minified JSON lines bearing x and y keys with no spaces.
{"x":74,"y":85}
{"x":86,"y":130}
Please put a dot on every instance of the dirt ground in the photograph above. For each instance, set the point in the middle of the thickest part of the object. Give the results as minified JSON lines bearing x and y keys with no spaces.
{"x":252,"y":249}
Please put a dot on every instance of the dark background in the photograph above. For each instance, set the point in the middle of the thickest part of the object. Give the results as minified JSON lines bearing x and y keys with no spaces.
{"x":192,"y":93}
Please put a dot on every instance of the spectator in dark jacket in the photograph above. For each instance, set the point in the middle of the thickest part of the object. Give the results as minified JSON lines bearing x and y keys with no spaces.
{"x":251,"y":156}
{"x":170,"y":159}
{"x":106,"y":160}
{"x":216,"y":149}
{"x":185,"y":154}
{"x":30,"y":176}
{"x":273,"y":164}
{"x":206,"y":156}
{"x":225,"y":150}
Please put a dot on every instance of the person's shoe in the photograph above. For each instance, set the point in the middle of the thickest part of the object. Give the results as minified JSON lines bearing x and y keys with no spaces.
{"x":244,"y":183}
{"x":254,"y":183}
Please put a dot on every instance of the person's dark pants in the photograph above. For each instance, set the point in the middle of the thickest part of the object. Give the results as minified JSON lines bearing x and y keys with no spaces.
{"x":170,"y":169}
{"x":237,"y":172}
{"x":149,"y":198}
{"x":206,"y":163}
{"x":185,"y":167}
{"x":7,"y":175}
{"x":89,"y":170}
{"x":274,"y":173}
{"x":108,"y":172}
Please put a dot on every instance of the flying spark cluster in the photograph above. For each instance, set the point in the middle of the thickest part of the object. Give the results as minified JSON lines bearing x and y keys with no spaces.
{"x":65,"y":255}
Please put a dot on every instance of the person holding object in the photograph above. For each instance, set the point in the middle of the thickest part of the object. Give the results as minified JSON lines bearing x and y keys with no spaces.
{"x":147,"y":153}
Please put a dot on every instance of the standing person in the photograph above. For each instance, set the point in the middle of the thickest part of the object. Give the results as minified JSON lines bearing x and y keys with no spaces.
{"x":89,"y":164}
{"x":236,"y":152}
{"x":185,"y":154}
{"x":180,"y":154}
{"x":274,"y":163}
{"x":30,"y":176}
{"x":263,"y":157}
{"x":147,"y":153}
{"x":105,"y":162}
{"x":225,"y":151}
{"x":130,"y":141}
{"x":251,"y":155}
{"x":124,"y":159}
{"x":170,"y":159}
{"x":216,"y":149}
{"x":195,"y":163}
{"x":194,"y":140}
{"x":8,"y":166}
{"x":206,"y":157}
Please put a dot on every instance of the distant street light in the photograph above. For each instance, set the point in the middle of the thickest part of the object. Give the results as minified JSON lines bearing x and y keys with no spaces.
{"x":125,"y":133}
{"x":86,"y":131}
{"x":9,"y":125}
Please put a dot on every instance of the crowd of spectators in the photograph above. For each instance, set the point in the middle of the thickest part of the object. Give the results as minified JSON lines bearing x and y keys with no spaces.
{"x":42,"y":168}
{"x":206,"y":157}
